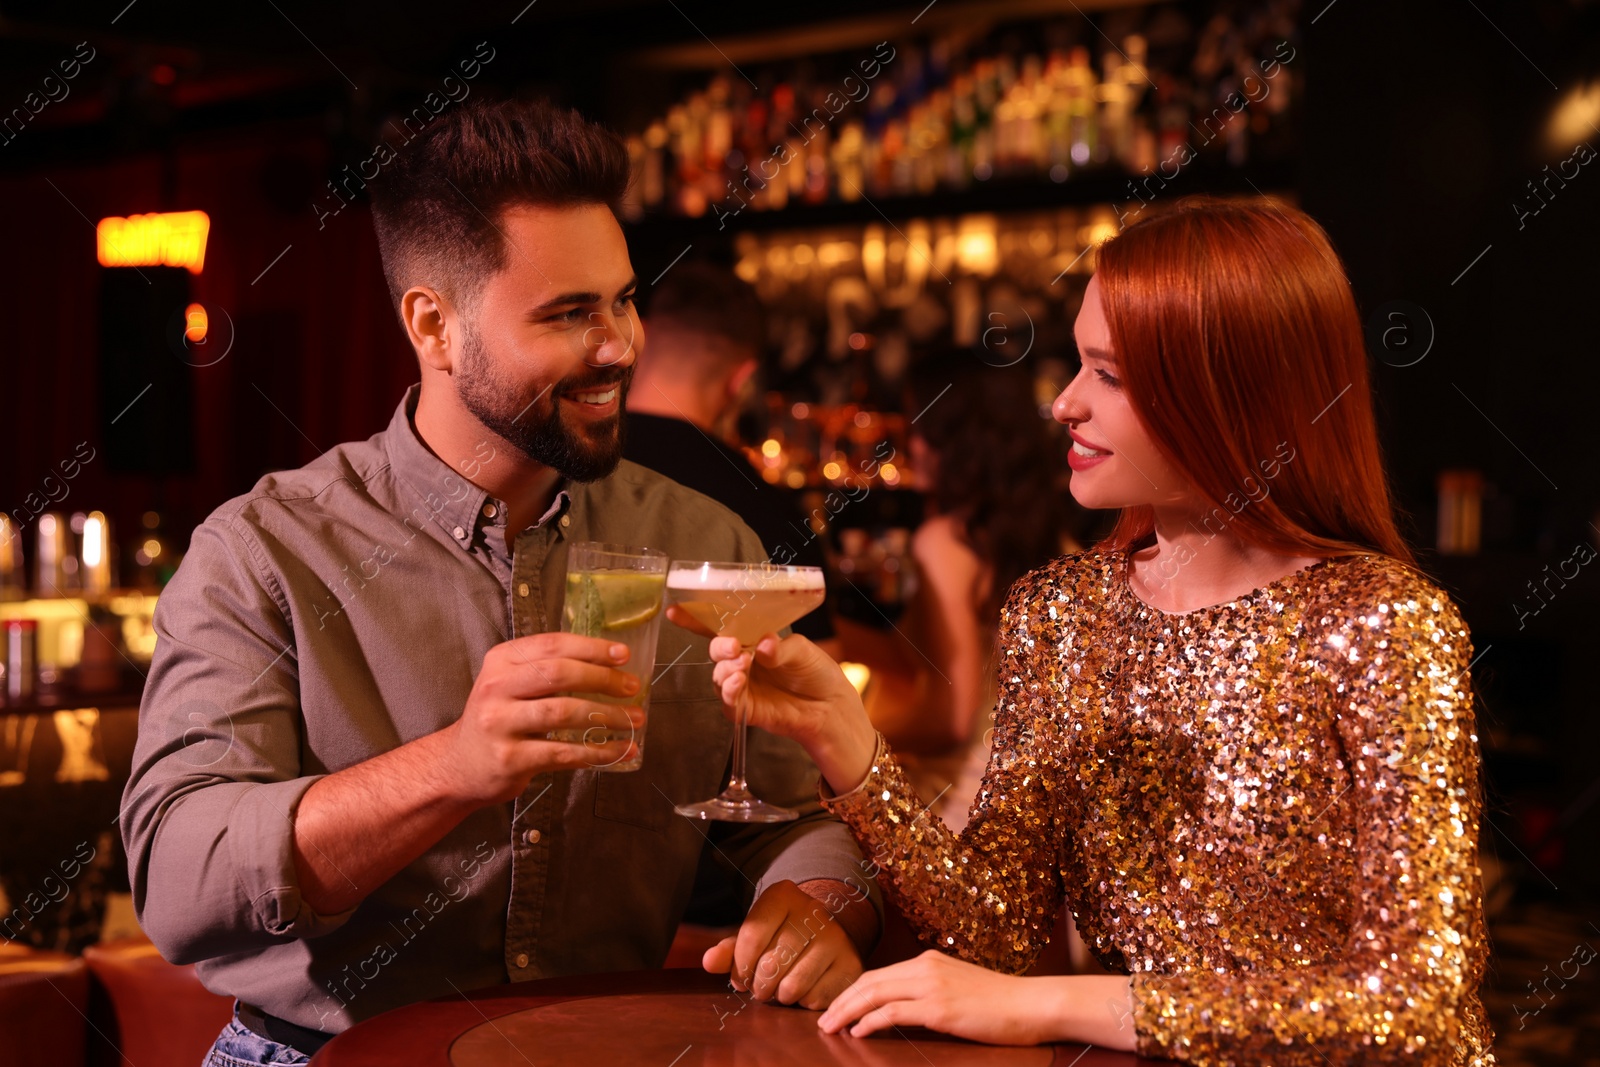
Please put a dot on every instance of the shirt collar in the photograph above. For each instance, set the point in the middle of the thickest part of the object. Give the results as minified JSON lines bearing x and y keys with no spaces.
{"x":456,"y":505}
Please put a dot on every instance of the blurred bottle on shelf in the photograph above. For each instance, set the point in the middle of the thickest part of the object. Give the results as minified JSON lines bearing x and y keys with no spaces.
{"x":20,"y":666}
{"x":96,"y":553}
{"x":55,"y":567}
{"x":1460,"y":512}
{"x":13,"y":576}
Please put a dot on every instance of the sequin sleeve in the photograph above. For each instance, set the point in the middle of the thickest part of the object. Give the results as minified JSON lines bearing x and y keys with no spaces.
{"x":991,"y":894}
{"x":1398,"y":679}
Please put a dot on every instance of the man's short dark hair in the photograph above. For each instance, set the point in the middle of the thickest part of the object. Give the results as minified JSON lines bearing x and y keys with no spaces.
{"x":709,"y":300}
{"x":437,"y":206}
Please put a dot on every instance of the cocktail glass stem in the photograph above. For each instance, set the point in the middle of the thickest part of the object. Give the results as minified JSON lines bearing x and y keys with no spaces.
{"x":737,"y":789}
{"x":736,"y":803}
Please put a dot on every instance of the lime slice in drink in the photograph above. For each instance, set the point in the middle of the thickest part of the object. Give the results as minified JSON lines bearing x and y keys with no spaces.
{"x":612,"y":600}
{"x":629,"y":599}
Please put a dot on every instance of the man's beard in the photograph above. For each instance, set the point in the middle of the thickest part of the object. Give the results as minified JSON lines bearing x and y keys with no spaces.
{"x":538,"y":431}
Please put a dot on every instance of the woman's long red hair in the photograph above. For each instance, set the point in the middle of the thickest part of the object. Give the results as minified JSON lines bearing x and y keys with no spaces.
{"x":1236,"y":334}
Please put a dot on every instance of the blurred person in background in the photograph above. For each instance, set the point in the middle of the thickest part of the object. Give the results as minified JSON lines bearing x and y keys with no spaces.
{"x":990,"y":472}
{"x":705,"y":330}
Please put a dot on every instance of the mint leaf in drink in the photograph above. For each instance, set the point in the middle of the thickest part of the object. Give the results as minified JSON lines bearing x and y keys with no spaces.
{"x":586,"y":613}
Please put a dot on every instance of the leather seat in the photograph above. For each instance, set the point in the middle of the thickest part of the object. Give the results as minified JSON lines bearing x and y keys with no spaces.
{"x":149,"y":1011}
{"x":44,"y":1003}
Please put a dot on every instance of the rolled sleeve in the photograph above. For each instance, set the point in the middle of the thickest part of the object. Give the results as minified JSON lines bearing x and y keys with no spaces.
{"x":260,"y":831}
{"x":208,"y":813}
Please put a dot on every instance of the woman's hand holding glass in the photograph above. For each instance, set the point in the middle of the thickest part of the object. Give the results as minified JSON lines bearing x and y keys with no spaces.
{"x":796,"y":690}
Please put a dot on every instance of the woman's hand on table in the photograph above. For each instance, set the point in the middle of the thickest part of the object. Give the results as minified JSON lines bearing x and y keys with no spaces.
{"x":791,"y":948}
{"x":796,"y":690}
{"x":955,"y":997}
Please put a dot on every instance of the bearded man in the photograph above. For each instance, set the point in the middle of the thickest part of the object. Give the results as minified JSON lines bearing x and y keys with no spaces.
{"x":344,"y":795}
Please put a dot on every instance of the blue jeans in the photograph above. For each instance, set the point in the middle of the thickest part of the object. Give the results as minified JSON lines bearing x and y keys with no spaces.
{"x":239,"y":1046}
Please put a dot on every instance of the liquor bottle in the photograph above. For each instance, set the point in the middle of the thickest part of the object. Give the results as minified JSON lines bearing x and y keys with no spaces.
{"x":1080,"y":91}
{"x":1238,"y":136}
{"x":848,"y":162}
{"x":1114,"y":98}
{"x":633,"y":201}
{"x":985,"y":97}
{"x":13,"y":576}
{"x":1137,"y":145}
{"x":956,"y":171}
{"x":1172,"y":119}
{"x":718,"y":139}
{"x":1057,"y":119}
{"x":817,"y":177}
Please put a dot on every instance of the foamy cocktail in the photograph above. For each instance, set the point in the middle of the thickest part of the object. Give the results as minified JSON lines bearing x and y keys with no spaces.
{"x":743,"y":601}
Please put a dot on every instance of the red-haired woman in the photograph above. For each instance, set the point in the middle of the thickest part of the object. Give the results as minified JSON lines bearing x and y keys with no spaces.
{"x":1236,"y":737}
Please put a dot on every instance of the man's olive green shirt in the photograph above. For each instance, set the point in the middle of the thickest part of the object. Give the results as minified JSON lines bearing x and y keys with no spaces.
{"x":340,"y":610}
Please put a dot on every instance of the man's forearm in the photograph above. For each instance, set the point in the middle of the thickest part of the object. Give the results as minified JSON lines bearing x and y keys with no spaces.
{"x":359,"y":827}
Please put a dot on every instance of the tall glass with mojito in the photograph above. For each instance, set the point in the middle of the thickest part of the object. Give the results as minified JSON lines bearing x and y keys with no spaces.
{"x":616,"y":592}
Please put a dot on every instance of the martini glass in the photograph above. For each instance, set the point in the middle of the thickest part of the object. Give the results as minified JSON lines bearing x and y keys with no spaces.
{"x":745,"y":601}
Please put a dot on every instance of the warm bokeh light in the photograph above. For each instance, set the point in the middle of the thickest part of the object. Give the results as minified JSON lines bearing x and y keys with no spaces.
{"x":858,"y":673}
{"x":1575,"y":117}
{"x":171,"y":239}
{"x":195,"y":323}
{"x":94,"y":540}
{"x":978,"y":252}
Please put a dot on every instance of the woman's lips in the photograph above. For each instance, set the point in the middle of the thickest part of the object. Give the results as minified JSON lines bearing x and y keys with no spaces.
{"x":1086,"y":446}
{"x":1084,"y":454}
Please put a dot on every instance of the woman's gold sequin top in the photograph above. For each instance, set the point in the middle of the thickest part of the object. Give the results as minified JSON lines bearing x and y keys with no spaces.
{"x":1265,"y":811}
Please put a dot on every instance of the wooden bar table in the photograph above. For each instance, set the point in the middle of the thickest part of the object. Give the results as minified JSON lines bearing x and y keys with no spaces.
{"x":670,"y":1018}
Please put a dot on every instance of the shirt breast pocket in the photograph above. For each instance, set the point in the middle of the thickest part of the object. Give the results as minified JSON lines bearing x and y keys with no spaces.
{"x":686,"y":748}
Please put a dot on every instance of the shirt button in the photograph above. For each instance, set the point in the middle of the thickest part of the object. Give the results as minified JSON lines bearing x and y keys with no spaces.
{"x":522,"y":959}
{"x":532,"y":837}
{"x":459,"y":532}
{"x":488,"y":511}
{"x":566,"y":520}
{"x":522,"y":590}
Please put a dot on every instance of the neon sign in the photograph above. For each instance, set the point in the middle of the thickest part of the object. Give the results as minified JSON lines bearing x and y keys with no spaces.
{"x":170,"y":239}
